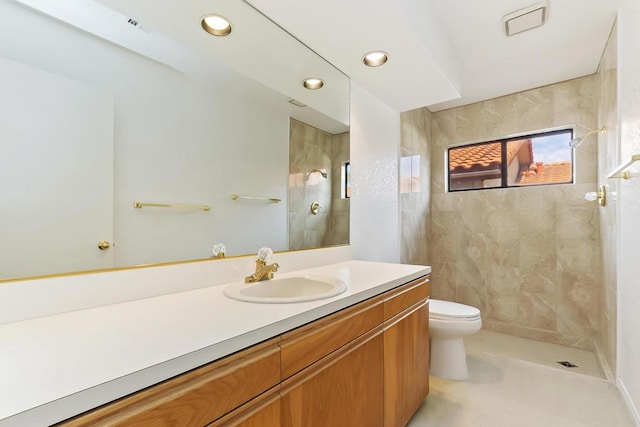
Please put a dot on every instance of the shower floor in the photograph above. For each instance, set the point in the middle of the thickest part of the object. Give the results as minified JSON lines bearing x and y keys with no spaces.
{"x":517,"y":382}
{"x":546,"y":354}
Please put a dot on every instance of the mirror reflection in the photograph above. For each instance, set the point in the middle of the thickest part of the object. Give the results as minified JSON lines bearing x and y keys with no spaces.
{"x":99,"y":114}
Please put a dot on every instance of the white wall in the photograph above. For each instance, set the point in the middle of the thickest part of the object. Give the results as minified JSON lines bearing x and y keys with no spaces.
{"x":375,"y":149}
{"x":177,"y":140}
{"x":629,"y":206}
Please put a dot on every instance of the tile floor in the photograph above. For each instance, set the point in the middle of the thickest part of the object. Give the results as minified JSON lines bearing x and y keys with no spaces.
{"x":516,"y":382}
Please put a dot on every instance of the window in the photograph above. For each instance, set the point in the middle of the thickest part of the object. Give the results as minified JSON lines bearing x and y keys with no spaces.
{"x":410,"y":174}
{"x":346,"y":180}
{"x":537,"y":159}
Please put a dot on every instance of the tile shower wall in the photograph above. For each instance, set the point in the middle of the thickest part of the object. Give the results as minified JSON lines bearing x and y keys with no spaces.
{"x":608,"y":160}
{"x":528,"y":258}
{"x":309,"y":149}
{"x":415,"y":190}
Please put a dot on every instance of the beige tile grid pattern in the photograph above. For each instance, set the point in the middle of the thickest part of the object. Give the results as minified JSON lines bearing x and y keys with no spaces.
{"x":528,"y":258}
{"x":309,"y":149}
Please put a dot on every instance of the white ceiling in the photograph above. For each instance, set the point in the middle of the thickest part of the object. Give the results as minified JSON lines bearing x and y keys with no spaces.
{"x":446,"y":53}
{"x":169,"y":32}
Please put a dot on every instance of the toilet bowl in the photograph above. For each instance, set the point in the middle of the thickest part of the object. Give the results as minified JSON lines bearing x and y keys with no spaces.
{"x":449,"y":323}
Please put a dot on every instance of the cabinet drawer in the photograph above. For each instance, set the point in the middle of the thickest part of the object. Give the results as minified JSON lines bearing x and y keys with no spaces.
{"x":263,"y":411}
{"x":405,"y":296}
{"x":307,"y":344}
{"x":195,"y":398}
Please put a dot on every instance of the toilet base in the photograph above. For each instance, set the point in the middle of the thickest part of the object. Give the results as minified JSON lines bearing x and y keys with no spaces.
{"x":448,"y":359}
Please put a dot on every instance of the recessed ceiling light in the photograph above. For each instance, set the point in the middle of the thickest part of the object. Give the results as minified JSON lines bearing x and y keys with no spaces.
{"x":375,"y":58}
{"x":525,"y":19}
{"x":216,"y":25}
{"x":313,"y":83}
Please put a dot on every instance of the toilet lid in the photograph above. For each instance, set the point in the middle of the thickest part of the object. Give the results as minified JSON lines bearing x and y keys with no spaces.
{"x":446,"y":309}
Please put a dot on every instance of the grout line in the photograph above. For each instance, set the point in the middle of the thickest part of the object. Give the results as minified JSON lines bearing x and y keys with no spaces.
{"x":604,"y":364}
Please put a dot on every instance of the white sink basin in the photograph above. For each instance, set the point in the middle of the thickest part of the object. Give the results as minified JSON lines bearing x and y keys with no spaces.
{"x":286,"y":289}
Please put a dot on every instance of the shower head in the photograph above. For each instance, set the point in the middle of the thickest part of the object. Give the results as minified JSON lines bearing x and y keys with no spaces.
{"x":324,"y":174}
{"x":576,"y":142}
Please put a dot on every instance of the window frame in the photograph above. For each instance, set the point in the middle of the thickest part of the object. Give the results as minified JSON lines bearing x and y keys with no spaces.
{"x":346,"y":181}
{"x":504,"y":166}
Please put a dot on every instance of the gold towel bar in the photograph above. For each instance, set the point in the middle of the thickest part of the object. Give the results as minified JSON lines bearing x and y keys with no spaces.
{"x":620,"y":171}
{"x":140,"y":205}
{"x":268,"y":199}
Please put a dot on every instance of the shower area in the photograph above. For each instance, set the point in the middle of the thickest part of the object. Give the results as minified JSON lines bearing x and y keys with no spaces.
{"x":538,"y":262}
{"x":318,"y":203}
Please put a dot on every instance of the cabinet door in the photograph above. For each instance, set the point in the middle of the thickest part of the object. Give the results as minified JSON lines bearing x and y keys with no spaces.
{"x":406,"y":364}
{"x":344,"y":389}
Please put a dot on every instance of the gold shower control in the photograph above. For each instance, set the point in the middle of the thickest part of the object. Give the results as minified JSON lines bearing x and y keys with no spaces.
{"x":103,"y":245}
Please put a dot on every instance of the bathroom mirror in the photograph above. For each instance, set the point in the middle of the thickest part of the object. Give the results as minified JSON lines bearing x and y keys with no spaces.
{"x":126,"y":126}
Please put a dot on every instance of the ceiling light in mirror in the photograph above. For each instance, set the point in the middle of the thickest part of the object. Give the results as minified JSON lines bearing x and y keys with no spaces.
{"x":375,"y":58}
{"x":313,"y":83}
{"x":216,"y":90}
{"x":216,"y":25}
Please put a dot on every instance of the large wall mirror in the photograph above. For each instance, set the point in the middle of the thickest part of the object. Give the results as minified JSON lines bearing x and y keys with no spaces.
{"x":112,"y":104}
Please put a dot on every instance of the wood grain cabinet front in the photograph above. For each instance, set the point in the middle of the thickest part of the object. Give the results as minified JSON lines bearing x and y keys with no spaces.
{"x":195,"y":398}
{"x":406,"y":364}
{"x":344,"y":389}
{"x":263,"y":411}
{"x":307,"y":344}
{"x":406,"y":352}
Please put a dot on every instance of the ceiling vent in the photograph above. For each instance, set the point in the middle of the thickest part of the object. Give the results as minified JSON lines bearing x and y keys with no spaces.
{"x":296,"y":103}
{"x":525,"y":19}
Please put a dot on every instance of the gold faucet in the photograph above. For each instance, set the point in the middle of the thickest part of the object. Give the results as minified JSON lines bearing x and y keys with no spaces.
{"x":263,"y":271}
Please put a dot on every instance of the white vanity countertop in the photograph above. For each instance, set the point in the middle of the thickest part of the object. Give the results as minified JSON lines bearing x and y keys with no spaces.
{"x":54,"y":367}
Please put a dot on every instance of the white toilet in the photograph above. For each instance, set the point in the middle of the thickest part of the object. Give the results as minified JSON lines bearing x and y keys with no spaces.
{"x":449,"y":323}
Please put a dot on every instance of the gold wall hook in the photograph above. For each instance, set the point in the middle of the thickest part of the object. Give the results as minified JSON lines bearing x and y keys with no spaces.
{"x":315,"y":208}
{"x":602,"y":195}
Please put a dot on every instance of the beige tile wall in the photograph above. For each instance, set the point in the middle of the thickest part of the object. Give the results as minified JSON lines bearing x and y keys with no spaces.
{"x":311,"y":148}
{"x":607,"y":161}
{"x":528,"y":258}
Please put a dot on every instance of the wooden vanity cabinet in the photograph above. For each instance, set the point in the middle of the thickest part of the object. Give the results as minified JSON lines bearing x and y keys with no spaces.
{"x":406,"y":363}
{"x":197,"y":397}
{"x":366,"y":365}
